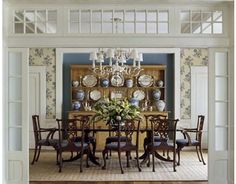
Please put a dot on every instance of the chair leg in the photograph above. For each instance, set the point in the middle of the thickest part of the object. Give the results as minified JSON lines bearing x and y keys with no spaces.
{"x":178,"y":152}
{"x":81,"y":161}
{"x":39,"y":150}
{"x":137,"y":158}
{"x":94,"y":147}
{"x":121,"y":168}
{"x":60,"y":164}
{"x":57,"y":157}
{"x":148,"y":164}
{"x":87,"y":158}
{"x":200,"y":149}
{"x":174,"y":159}
{"x":153,"y":161}
{"x":104,"y":152}
{"x":128,"y":157}
{"x":198,"y":154}
{"x":35,"y":153}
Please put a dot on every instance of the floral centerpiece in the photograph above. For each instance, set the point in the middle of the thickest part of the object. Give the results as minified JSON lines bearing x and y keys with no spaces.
{"x":115,"y":110}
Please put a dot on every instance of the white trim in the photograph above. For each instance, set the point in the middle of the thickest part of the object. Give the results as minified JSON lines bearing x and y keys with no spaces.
{"x":59,"y":61}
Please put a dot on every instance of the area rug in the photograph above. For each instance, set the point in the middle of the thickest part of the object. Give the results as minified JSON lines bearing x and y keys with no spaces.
{"x":47,"y":170}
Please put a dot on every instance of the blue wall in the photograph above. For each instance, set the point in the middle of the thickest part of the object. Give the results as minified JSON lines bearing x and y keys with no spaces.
{"x":148,"y":59}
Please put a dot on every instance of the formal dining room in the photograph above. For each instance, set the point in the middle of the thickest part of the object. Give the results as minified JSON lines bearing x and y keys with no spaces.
{"x":118,"y":91}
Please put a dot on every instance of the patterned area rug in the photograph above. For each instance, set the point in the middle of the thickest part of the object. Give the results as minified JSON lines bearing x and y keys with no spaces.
{"x":47,"y":170}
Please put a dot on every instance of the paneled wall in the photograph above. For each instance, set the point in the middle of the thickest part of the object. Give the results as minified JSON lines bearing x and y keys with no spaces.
{"x":189,"y":57}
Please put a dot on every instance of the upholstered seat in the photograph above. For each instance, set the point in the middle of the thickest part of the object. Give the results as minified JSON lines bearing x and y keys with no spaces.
{"x":185,"y":142}
{"x":114,"y":145}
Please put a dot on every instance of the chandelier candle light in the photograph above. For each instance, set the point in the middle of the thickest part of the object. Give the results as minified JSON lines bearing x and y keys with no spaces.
{"x":117,"y":61}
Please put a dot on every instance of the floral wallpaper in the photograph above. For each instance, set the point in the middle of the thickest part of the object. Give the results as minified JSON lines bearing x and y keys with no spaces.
{"x":46,"y":57}
{"x":188,"y":58}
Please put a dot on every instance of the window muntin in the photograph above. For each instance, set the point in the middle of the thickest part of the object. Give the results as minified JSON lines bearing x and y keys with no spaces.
{"x":35,"y":21}
{"x":201,"y":22}
{"x":119,"y":21}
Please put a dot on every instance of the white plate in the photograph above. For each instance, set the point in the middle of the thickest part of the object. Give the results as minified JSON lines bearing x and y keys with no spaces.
{"x":117,"y":80}
{"x":139,"y":94}
{"x":95,"y":95}
{"x":145,"y":80}
{"x":89,"y":81}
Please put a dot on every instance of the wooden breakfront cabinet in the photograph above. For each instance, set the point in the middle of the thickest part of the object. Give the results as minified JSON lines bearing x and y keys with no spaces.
{"x":83,"y":79}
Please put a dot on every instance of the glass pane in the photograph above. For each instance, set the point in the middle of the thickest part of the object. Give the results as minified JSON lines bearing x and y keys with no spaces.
{"x":196,"y":16}
{"x":29,"y":28}
{"x":15,"y":139}
{"x":221,"y":138}
{"x":221,"y":88}
{"x":163,"y":16}
{"x":41,"y":27}
{"x":151,"y":27}
{"x":119,"y":27}
{"x":97,"y":16}
{"x":129,"y":15}
{"x":19,"y":16}
{"x":15,"y":112}
{"x":15,"y":89}
{"x":206,"y":16}
{"x":96,"y":27}
{"x":217,"y":16}
{"x":29,"y":16}
{"x":221,"y":113}
{"x":74,"y":27}
{"x":140,"y":27}
{"x":151,"y":16}
{"x":162,"y":27}
{"x":196,"y":28}
{"x":217,"y":28}
{"x":15,"y":63}
{"x":52,"y":15}
{"x":119,"y":14}
{"x":140,"y":16}
{"x":129,"y":27}
{"x":107,"y":27}
{"x":74,"y":16}
{"x":221,"y":63}
{"x":19,"y":27}
{"x":51,"y":27}
{"x":85,"y":27}
{"x":185,"y":16}
{"x":206,"y":28}
{"x":185,"y":28}
{"x":107,"y":16}
{"x":85,"y":16}
{"x":41,"y":15}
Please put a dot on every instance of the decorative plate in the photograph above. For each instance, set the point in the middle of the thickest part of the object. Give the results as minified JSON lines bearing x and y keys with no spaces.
{"x":139,"y":94}
{"x":89,"y":81}
{"x":117,"y":80}
{"x":145,"y":80}
{"x":95,"y":95}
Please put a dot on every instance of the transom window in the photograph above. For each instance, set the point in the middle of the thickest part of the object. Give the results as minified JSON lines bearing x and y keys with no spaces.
{"x":201,"y":22}
{"x":35,"y":21}
{"x":119,"y":21}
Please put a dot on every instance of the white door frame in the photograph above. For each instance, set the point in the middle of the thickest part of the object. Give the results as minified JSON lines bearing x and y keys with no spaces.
{"x":59,"y":78}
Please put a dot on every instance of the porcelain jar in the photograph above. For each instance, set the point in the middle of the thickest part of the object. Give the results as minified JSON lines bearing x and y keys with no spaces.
{"x":105,"y":82}
{"x":129,"y":83}
{"x":76,"y":105}
{"x":156,"y":94}
{"x":160,"y":105}
{"x":160,"y":83}
{"x":134,"y":101}
{"x":75,"y":83}
{"x":79,"y":95}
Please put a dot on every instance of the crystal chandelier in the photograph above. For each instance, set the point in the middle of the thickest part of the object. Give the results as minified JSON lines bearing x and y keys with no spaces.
{"x":118,"y":59}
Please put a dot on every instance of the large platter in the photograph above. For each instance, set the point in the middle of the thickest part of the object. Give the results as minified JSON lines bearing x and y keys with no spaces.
{"x":95,"y":95}
{"x":89,"y":81}
{"x":139,"y":94}
{"x":145,"y":80}
{"x":117,"y":80}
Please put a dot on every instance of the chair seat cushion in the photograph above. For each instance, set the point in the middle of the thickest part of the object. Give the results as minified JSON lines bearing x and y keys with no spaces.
{"x":114,"y":145}
{"x":90,"y":139}
{"x":65,"y":143}
{"x":156,"y":144}
{"x":115,"y":139}
{"x":184,"y":142}
{"x":49,"y":142}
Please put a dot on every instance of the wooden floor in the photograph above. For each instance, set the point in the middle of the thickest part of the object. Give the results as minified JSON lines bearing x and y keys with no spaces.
{"x":117,"y":182}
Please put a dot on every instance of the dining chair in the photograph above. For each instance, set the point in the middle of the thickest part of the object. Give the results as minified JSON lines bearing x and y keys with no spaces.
{"x":128,"y":129}
{"x":188,"y":141}
{"x":68,"y":133}
{"x":166,"y":130}
{"x":38,"y":137}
